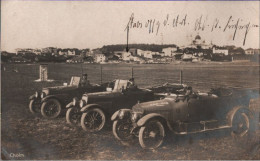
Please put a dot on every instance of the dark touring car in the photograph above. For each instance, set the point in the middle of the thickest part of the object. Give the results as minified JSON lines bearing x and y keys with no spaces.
{"x":93,"y":109}
{"x":52,"y":100}
{"x":187,"y":113}
{"x":123,"y":94}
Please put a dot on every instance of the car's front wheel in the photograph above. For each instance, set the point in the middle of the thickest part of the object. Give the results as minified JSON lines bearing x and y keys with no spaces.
{"x":93,"y":120}
{"x":122,"y":130}
{"x":35,"y":106}
{"x":73,"y":116}
{"x":51,"y":108}
{"x":151,"y":135}
{"x":240,"y":124}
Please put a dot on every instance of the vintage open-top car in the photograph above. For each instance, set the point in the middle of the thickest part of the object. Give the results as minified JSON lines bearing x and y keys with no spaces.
{"x":93,"y":109}
{"x":52,"y":100}
{"x":183,"y":114}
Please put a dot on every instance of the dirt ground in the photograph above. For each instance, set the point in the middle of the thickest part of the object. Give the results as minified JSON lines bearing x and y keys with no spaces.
{"x":24,"y":136}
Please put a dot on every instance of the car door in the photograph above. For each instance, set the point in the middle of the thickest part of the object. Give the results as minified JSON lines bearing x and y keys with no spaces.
{"x":120,"y":100}
{"x":195,"y":109}
{"x":202,"y":108}
{"x":133,"y":96}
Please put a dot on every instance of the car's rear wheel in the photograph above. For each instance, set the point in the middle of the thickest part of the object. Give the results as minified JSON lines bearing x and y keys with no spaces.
{"x":73,"y":116}
{"x":240,"y":125}
{"x":151,"y":135}
{"x":51,"y":108}
{"x":93,"y":120}
{"x":35,"y":106}
{"x":122,"y":130}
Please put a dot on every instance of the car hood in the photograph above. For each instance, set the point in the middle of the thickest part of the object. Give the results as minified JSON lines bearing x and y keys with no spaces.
{"x":98,"y":97}
{"x":154,"y":106}
{"x":97,"y":94}
{"x":58,"y":89}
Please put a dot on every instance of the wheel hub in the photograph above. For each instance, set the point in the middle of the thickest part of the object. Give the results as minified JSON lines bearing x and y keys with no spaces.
{"x":152,"y":134}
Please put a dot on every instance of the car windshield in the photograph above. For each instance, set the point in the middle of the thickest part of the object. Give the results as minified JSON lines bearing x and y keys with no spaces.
{"x":74,"y":81}
{"x":120,"y":85}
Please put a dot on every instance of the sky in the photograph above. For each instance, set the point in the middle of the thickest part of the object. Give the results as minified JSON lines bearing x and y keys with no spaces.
{"x":92,"y":24}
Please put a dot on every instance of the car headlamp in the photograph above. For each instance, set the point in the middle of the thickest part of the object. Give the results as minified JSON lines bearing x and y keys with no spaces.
{"x":121,"y":114}
{"x":74,"y":101}
{"x":43,"y":94}
{"x":36,"y":94}
{"x":85,"y":98}
{"x":135,"y":116}
{"x":81,"y":103}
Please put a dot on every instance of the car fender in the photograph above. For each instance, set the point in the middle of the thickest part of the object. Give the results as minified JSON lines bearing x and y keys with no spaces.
{"x":233,"y":111}
{"x":150,"y":116}
{"x":49,"y":97}
{"x":89,"y":106}
{"x":70,"y":105}
{"x":32,"y":97}
{"x":115,"y":115}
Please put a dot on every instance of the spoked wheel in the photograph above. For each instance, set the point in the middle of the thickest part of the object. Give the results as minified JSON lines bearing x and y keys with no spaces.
{"x":151,"y":135}
{"x":35,"y":106}
{"x":93,"y":120}
{"x":122,"y":130}
{"x":73,"y":116}
{"x":240,"y":125}
{"x":51,"y":108}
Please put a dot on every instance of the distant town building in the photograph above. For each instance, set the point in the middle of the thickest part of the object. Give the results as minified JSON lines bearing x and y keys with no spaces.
{"x":61,"y":52}
{"x":220,"y":51}
{"x":251,"y":51}
{"x":126,"y":56}
{"x":187,"y":57}
{"x":99,"y":58}
{"x":169,"y":51}
{"x":71,"y":52}
{"x":133,"y":51}
{"x":145,"y":54}
{"x":199,"y":43}
{"x":50,"y":50}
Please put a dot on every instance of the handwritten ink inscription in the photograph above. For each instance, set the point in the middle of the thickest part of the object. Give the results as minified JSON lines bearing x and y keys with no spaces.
{"x":201,"y":23}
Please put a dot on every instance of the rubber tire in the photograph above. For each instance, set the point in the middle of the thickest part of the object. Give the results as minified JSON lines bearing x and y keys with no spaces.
{"x":141,"y":134}
{"x":32,"y":109}
{"x":248,"y":121}
{"x":68,"y":116}
{"x":115,"y":123}
{"x":44,"y":105}
{"x":85,"y":114}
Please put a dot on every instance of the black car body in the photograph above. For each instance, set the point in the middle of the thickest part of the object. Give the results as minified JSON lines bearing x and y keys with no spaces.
{"x":184,"y":114}
{"x":52,"y":100}
{"x":95,"y":108}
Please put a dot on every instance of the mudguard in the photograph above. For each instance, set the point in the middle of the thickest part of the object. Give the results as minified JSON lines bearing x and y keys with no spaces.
{"x":32,"y":97}
{"x":85,"y":108}
{"x":232,"y":113}
{"x":146,"y":118}
{"x":69,"y":105}
{"x":115,"y":115}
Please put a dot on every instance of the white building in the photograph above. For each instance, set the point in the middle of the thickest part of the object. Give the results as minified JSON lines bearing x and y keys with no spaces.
{"x":170,"y":51}
{"x":126,"y":56}
{"x":145,"y":54}
{"x":199,"y":43}
{"x":99,"y":58}
{"x":220,"y":51}
{"x":71,"y":53}
{"x":251,"y":51}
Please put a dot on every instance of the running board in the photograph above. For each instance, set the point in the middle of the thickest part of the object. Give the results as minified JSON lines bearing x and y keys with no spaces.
{"x":204,"y":130}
